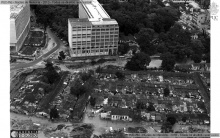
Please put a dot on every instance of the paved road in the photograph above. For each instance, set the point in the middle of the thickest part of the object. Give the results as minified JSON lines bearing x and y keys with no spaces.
{"x":204,"y":92}
{"x":26,"y":65}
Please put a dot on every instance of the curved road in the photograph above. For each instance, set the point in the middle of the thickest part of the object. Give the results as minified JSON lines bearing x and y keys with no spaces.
{"x":57,"y":41}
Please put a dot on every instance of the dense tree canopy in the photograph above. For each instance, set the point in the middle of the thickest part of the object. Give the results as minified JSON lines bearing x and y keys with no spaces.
{"x":134,"y":15}
{"x":123,"y":48}
{"x":120,"y":75}
{"x":144,"y":38}
{"x":168,"y":61}
{"x":138,"y":62}
{"x":78,"y":89}
{"x":51,"y":74}
{"x":166,"y":92}
{"x":56,"y":16}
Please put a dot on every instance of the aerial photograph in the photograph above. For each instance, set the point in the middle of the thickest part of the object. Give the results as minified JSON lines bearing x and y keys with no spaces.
{"x":110,"y":68}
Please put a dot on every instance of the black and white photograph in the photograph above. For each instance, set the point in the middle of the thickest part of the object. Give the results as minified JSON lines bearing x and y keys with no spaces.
{"x":111,"y":68}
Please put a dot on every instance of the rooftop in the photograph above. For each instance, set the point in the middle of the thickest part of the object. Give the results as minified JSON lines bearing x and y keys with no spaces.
{"x":94,"y":9}
{"x":121,"y":111}
{"x":15,"y":10}
{"x":89,"y":22}
{"x":79,"y":22}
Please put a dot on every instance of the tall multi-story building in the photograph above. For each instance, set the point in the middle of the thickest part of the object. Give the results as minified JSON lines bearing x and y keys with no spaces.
{"x":94,"y":33}
{"x":19,"y":25}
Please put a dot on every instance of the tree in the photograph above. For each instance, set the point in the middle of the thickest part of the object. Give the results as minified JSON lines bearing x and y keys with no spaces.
{"x":172,"y":120}
{"x":161,"y":48}
{"x":93,"y":62}
{"x":62,"y":55}
{"x":115,"y":5}
{"x":85,"y":76}
{"x":120,"y":75}
{"x":168,"y":61}
{"x":77,"y":89}
{"x":166,"y":92}
{"x":197,"y":47}
{"x":166,"y":127}
{"x":59,"y":57}
{"x":92,"y":101}
{"x":54,"y":113}
{"x":144,"y":38}
{"x":207,"y":58}
{"x":51,"y":73}
{"x":138,"y":62}
{"x":52,"y":76}
{"x":140,"y":105}
{"x":30,"y":98}
{"x":196,"y":58}
{"x":47,"y":89}
{"x":151,"y":107}
{"x":99,"y":69}
{"x":49,"y":65}
{"x":184,"y":119}
{"x":123,"y":48}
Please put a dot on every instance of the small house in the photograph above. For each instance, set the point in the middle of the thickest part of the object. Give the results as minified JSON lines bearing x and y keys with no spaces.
{"x":124,"y":114}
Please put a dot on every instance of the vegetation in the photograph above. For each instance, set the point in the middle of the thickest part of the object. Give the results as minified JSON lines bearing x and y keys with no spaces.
{"x":92,"y":101}
{"x":166,"y":92}
{"x":168,"y":61}
{"x":123,"y":48}
{"x":51,"y":74}
{"x":138,"y":62}
{"x":61,"y":55}
{"x":144,"y":38}
{"x":134,"y":15}
{"x":56,"y":16}
{"x":54,"y":113}
{"x":120,"y":75}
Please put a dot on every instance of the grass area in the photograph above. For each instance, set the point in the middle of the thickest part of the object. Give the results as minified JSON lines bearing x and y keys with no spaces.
{"x":34,"y":40}
{"x":37,"y":34}
{"x":27,"y":50}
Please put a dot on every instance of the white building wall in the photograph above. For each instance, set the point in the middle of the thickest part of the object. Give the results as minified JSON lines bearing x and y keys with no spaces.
{"x":13,"y":39}
{"x":19,"y":28}
{"x":82,"y":12}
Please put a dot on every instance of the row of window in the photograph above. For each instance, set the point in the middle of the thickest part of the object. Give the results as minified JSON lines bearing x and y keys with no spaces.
{"x":119,"y":117}
{"x":94,"y":46}
{"x":96,"y":27}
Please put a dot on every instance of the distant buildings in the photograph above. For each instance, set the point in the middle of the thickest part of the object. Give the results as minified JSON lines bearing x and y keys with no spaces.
{"x":19,"y":25}
{"x":195,"y":18}
{"x":202,"y":20}
{"x":94,"y":33}
{"x":182,"y":1}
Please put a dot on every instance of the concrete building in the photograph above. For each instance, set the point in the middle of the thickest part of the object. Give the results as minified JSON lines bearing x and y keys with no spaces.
{"x":94,"y":33}
{"x":19,"y":25}
{"x":202,"y":20}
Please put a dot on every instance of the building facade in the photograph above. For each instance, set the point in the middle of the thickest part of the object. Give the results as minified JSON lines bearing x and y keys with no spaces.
{"x":94,"y":33}
{"x":202,"y":20}
{"x":124,"y":114}
{"x":19,"y":25}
